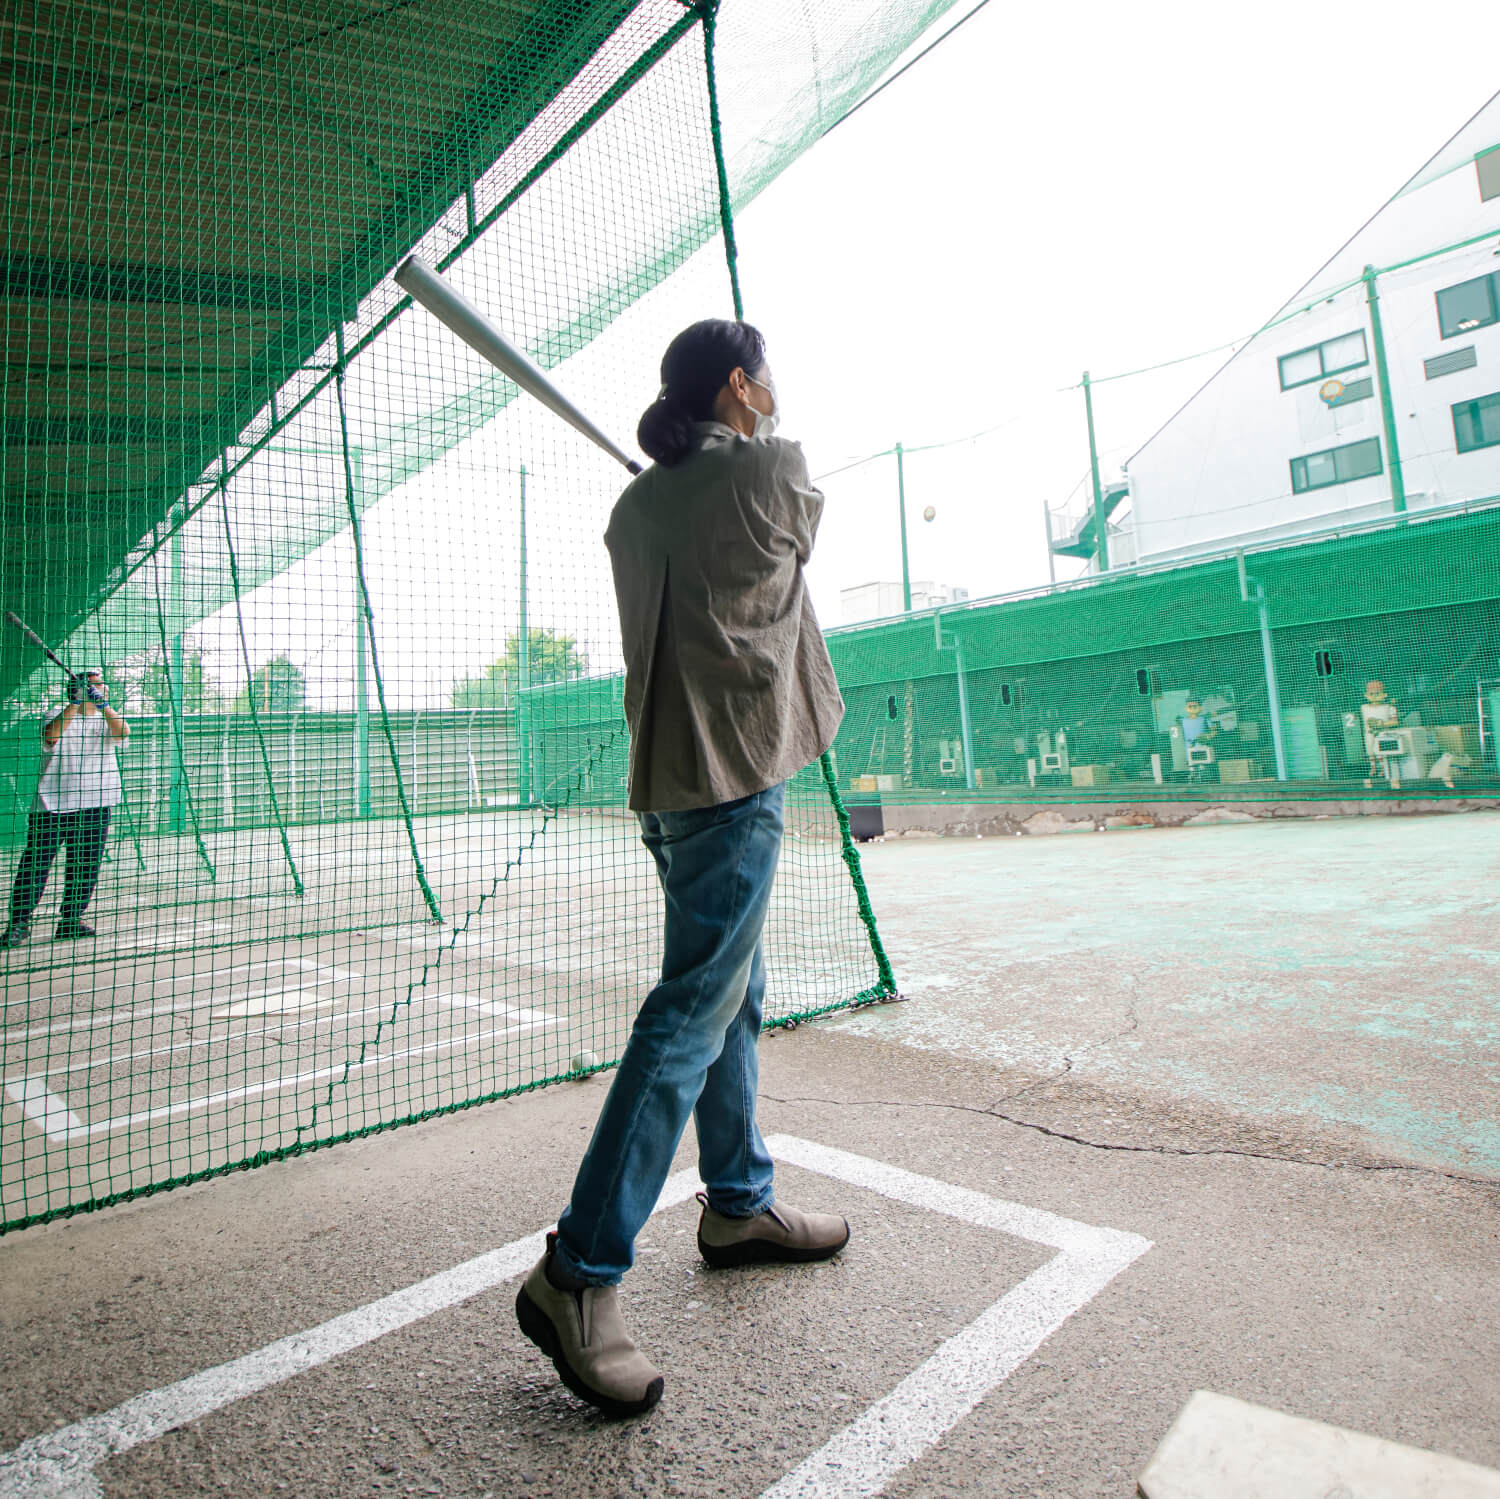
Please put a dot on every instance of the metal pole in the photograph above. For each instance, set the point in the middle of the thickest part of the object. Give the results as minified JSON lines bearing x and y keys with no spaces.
{"x":1051,"y":559}
{"x":963,"y":710}
{"x":901,"y":496}
{"x":175,"y":796}
{"x":1101,"y":537}
{"x":523,"y":671}
{"x":1273,"y":692}
{"x":361,"y":705}
{"x":1268,"y":658}
{"x":1387,"y":412}
{"x":362,"y":804}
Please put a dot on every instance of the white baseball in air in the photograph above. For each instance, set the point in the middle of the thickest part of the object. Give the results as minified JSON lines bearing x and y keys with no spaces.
{"x":929,"y":513}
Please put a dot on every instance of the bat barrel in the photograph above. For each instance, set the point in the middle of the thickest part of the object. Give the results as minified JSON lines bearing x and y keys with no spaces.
{"x":451,"y":308}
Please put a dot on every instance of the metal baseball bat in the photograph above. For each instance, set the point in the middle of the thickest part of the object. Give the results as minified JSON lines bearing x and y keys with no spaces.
{"x":424,"y":284}
{"x":36,"y":640}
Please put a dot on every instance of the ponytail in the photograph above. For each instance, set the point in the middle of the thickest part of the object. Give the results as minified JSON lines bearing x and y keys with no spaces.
{"x":695,"y":368}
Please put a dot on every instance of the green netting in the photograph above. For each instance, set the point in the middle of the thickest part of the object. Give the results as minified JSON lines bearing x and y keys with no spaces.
{"x":373,"y":860}
{"x":1082,"y":691}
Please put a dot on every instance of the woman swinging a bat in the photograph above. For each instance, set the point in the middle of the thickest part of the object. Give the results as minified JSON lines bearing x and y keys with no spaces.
{"x":729,"y":692}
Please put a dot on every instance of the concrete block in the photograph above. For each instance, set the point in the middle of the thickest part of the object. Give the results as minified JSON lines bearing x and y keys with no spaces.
{"x":1218,"y":814}
{"x":1222,"y":1448}
{"x":1055,"y":822}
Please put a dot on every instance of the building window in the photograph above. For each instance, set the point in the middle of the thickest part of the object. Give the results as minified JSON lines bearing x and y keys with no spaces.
{"x":1346,"y":352}
{"x":1487,"y":164}
{"x":1476,"y":424}
{"x":1467,"y":306}
{"x":1356,"y":460}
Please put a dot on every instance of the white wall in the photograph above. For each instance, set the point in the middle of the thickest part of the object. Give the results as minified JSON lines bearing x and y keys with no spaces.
{"x":1220,"y":471}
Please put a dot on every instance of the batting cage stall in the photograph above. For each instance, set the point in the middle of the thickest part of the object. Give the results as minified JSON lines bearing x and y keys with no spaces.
{"x":368,"y":859}
{"x":1360,"y":667}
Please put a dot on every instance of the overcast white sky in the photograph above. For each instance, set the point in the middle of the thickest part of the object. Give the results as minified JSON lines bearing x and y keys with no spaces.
{"x":1065,"y":187}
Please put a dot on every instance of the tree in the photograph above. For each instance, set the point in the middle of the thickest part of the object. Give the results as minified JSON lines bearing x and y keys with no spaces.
{"x":140,"y":685}
{"x":200,"y":693}
{"x":279,"y":687}
{"x":553,"y":657}
{"x":492,"y":690}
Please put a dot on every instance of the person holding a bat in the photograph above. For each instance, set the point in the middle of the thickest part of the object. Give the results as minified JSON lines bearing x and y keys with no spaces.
{"x":728,"y":692}
{"x":79,"y":784}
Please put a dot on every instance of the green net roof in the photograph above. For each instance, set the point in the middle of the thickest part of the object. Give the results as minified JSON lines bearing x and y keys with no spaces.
{"x":192,"y":207}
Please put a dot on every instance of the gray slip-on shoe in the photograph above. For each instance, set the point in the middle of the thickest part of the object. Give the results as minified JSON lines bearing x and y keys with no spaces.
{"x":585,"y":1336}
{"x":782,"y":1234}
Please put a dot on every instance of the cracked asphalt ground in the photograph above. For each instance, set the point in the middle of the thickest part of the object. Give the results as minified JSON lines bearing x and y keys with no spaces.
{"x":1249,"y":1045}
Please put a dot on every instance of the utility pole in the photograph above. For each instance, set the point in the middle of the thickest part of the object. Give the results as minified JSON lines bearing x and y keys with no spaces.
{"x":1101,"y":536}
{"x":901,"y":495}
{"x":523,"y":671}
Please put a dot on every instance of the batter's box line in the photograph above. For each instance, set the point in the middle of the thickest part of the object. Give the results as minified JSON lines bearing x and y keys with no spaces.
{"x":861,"y":1459}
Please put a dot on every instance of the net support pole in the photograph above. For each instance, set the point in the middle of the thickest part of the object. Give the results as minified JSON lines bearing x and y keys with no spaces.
{"x":1268,"y":658}
{"x":361,"y":707}
{"x":175,"y":682}
{"x":951,"y":640}
{"x":1101,"y":535}
{"x":523,"y":675}
{"x":901,"y":512}
{"x":1387,"y":410}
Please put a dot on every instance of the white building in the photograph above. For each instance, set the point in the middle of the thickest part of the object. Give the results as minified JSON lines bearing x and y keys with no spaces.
{"x":1375,"y":389}
{"x":882,"y":600}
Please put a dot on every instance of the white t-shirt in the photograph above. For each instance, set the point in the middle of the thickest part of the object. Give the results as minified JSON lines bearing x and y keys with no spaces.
{"x":80,"y":770}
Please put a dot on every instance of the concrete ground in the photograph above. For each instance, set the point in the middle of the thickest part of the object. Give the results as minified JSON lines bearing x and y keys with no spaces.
{"x":1255,"y":1065}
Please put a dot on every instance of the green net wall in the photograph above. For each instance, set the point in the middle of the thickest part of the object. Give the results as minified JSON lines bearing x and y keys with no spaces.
{"x":1359,"y":667}
{"x":347,"y":587}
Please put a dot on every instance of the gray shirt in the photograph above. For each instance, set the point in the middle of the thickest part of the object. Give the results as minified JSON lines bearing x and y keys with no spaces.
{"x":728,"y":685}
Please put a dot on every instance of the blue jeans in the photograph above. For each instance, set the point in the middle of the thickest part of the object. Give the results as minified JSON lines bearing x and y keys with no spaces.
{"x":693,"y":1048}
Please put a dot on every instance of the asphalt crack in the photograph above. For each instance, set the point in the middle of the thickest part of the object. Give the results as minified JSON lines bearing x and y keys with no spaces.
{"x":993,"y":1112}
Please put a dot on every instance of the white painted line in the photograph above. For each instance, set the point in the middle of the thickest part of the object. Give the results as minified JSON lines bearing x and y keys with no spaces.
{"x":862,"y":1459}
{"x":858,"y":1461}
{"x":273,"y":1002}
{"x":61,"y":1463}
{"x":128,"y":1014}
{"x":193,"y":1105}
{"x":124,"y":1058}
{"x":43,"y":1107}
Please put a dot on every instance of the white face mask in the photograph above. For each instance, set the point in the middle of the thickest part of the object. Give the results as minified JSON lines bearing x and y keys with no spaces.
{"x":766,"y":423}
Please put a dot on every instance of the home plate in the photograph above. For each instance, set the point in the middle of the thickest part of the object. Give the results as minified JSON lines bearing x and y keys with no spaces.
{"x":1220,"y":1448}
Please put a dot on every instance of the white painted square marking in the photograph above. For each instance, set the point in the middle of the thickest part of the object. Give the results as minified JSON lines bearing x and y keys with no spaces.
{"x":859,"y":1460}
{"x":495,"y":1007}
{"x":43,"y":1107}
